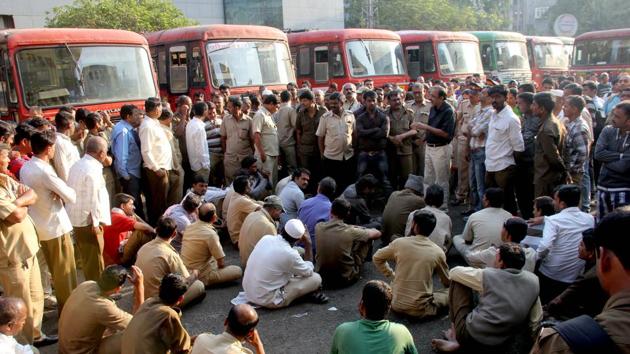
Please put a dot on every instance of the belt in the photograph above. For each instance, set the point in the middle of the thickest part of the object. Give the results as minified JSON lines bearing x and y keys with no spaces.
{"x":436,"y":145}
{"x":372,"y":153}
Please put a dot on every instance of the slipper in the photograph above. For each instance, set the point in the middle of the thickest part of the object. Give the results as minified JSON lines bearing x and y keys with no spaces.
{"x":318,"y":298}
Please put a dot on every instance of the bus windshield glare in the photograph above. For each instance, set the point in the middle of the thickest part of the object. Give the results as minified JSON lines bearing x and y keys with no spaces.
{"x":459,"y":58}
{"x":373,"y":58}
{"x":511,"y":55}
{"x":550,"y":55}
{"x":249,"y":63}
{"x":602,"y":52}
{"x":84,"y":75}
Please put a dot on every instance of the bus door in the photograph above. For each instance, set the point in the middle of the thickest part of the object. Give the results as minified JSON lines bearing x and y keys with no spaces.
{"x":185,"y":68}
{"x":420,"y":59}
{"x":486,"y":50}
{"x":321,"y":63}
{"x":8,"y":95}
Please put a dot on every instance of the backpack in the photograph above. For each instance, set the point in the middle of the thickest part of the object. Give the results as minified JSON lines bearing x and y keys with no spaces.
{"x":584,"y":335}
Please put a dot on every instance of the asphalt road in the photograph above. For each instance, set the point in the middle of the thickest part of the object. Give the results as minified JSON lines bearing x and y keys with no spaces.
{"x":302,"y":328}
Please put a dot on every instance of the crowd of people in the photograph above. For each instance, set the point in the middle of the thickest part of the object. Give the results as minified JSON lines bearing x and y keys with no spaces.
{"x":303,"y":183}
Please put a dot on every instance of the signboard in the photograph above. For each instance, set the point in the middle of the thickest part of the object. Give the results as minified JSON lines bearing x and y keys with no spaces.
{"x":566,"y":25}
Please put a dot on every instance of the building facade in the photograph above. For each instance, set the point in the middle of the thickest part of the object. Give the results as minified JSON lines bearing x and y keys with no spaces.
{"x":529,"y":17}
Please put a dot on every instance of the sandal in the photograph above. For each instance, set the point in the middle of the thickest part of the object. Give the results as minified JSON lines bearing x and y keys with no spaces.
{"x":318,"y":298}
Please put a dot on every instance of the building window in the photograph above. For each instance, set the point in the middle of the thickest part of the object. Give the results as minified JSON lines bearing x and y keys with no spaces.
{"x":539,"y":12}
{"x":247,"y":12}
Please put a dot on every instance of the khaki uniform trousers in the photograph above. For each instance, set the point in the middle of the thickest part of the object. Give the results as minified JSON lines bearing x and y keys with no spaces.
{"x":24,"y":281}
{"x":209,"y":276}
{"x":135,"y":241}
{"x":439,"y":301}
{"x":176,"y":187}
{"x":437,"y":168}
{"x":90,"y":246}
{"x":195,"y":290}
{"x":217,"y":178}
{"x":269,"y":168}
{"x":231,"y":164}
{"x":296,"y":288}
{"x":462,"y":160}
{"x":59,"y":254}
{"x":111,"y":344}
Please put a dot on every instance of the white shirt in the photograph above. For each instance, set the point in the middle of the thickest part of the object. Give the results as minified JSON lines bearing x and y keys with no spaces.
{"x":292,"y":197}
{"x":49,"y":215}
{"x":197,"y":145}
{"x":8,"y":345}
{"x":66,"y":154}
{"x":154,"y":145}
{"x":270,"y":267}
{"x":561,"y":239}
{"x":486,"y":258}
{"x":504,"y":138}
{"x":92,"y":204}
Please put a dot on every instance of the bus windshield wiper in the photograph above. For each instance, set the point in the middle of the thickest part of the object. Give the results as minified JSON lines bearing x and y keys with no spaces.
{"x":77,"y":68}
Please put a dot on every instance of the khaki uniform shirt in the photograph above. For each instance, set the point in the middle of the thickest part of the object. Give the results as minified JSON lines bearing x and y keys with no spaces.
{"x":255,"y":226}
{"x":224,"y":343}
{"x":201,"y":246}
{"x":85,"y":317}
{"x":399,"y":205}
{"x":238,"y":135}
{"x":400,"y":123}
{"x":335,"y":243}
{"x":421,"y":115}
{"x":337,"y":132}
{"x":157,"y":259}
{"x":307,"y":126}
{"x":18,"y":242}
{"x":263,"y":123}
{"x":484,"y":227}
{"x":155,"y":329}
{"x":466,"y":111}
{"x":240,"y":207}
{"x":417,"y":259}
{"x":286,"y":118}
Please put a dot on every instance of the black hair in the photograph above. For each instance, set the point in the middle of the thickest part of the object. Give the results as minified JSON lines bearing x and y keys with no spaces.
{"x":152,"y":103}
{"x":191,"y":202}
{"x":240,"y":184}
{"x":335,"y":96}
{"x":172,"y":287}
{"x":516,"y":228}
{"x":166,"y":114}
{"x":569,"y":194}
{"x":183,"y":99}
{"x":434,"y":195}
{"x":165,"y":227}
{"x":576,"y":101}
{"x":369,"y":95}
{"x":8,"y":128}
{"x":545,"y":100}
{"x":199,"y":108}
{"x":126,"y":111}
{"x":340,"y":208}
{"x":92,"y":119}
{"x":425,"y":221}
{"x":298,"y":172}
{"x":270,"y":99}
{"x":494,"y":197}
{"x":512,"y":91}
{"x":197,"y":178}
{"x":327,"y":187}
{"x":307,"y":94}
{"x":67,"y":109}
{"x":63,"y":120}
{"x":376,"y":299}
{"x":512,"y":255}
{"x":237,"y":327}
{"x":588,"y":237}
{"x":38,"y":122}
{"x":236,"y":101}
{"x":248,"y":161}
{"x":623,"y":106}
{"x":23,"y":131}
{"x":498,"y":90}
{"x":527,"y":88}
{"x":576,"y":89}
{"x":550,"y":81}
{"x":224,"y":86}
{"x":527,"y":97}
{"x":285,"y":96}
{"x":440,"y":90}
{"x":42,"y":140}
{"x":80,"y":114}
{"x":112,"y":277}
{"x":609,"y":235}
{"x":365,"y":181}
{"x":545,"y":205}
{"x":122,"y":198}
{"x":590,"y":85}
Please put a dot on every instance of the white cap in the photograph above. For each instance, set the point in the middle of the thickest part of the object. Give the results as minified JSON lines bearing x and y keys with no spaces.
{"x":557,"y":93}
{"x":295,"y":228}
{"x":266,"y":93}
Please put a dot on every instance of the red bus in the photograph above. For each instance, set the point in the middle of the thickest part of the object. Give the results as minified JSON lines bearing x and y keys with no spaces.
{"x":97,"y":69}
{"x":547,"y":58}
{"x":601,"y":51}
{"x":201,"y":58}
{"x":441,"y":55}
{"x":348,"y":55}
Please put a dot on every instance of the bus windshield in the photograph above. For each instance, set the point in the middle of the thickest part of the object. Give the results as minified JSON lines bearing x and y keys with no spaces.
{"x":84,"y":75}
{"x":372,"y":58}
{"x":249,"y":63}
{"x":602,"y":52}
{"x":511,"y":55}
{"x":459,"y":58}
{"x":550,"y":55}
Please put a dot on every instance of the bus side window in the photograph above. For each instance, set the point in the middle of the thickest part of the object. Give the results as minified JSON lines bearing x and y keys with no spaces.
{"x":486,"y":55}
{"x":6,"y":78}
{"x":178,"y":70}
{"x":321,"y":64}
{"x":304,"y":62}
{"x":336,"y":63}
{"x":196,"y":68}
{"x":428,"y":57}
{"x":161,"y":66}
{"x":4,"y":84}
{"x":413,"y":59}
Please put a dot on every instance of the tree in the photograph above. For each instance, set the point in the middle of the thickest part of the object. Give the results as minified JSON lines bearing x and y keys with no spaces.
{"x":447,"y":15}
{"x":132,"y":15}
{"x":592,"y":15}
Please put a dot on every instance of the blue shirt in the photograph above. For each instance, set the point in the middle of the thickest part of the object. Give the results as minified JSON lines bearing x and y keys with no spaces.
{"x":126,"y":150}
{"x":314,"y":210}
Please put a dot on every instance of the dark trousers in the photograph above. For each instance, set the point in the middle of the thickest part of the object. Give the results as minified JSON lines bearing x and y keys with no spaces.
{"x":313,"y":163}
{"x":524,"y":188}
{"x":504,"y":179}
{"x":132,"y":187}
{"x":342,"y":171}
{"x":157,"y":188}
{"x":375,"y":163}
{"x":550,"y":288}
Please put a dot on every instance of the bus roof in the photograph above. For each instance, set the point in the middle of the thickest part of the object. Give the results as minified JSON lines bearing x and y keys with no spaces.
{"x":340,"y":35}
{"x":47,"y":36}
{"x":541,"y":39}
{"x":609,"y":34}
{"x":421,"y":36}
{"x":210,"y":32}
{"x":485,"y":36}
{"x":567,"y":40}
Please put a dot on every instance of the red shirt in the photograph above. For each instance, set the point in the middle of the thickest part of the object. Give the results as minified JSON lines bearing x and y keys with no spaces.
{"x":16,"y":164}
{"x":114,"y":234}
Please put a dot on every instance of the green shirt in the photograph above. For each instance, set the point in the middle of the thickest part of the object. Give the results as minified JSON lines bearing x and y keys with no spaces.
{"x":365,"y":336}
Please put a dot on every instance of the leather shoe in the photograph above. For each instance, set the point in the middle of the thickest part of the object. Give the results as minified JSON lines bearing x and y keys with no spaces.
{"x":45,"y":340}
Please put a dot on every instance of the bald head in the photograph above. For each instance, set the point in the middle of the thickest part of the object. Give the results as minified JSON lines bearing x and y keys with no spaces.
{"x":207,"y":212}
{"x":12,"y":315}
{"x":241,"y":321}
{"x":95,"y":145}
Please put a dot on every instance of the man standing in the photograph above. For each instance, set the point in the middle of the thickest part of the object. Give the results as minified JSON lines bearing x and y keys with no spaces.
{"x":286,"y":118}
{"x":400,"y":136}
{"x":49,"y":215}
{"x":157,"y":157}
{"x":465,"y":113}
{"x":549,"y":168}
{"x":213,"y":135}
{"x":417,"y":259}
{"x":265,"y":136}
{"x":66,"y":154}
{"x":421,"y":109}
{"x":202,"y":251}
{"x":504,"y":138}
{"x":576,"y":144}
{"x":259,"y":224}
{"x":306,"y":125}
{"x":236,"y":138}
{"x":524,"y":178}
{"x":350,"y":92}
{"x":372,"y":132}
{"x":196,"y":143}
{"x":127,"y":156}
{"x":341,"y":248}
{"x":439,"y":133}
{"x":478,"y":130}
{"x":176,"y":176}
{"x":334,"y":133}
{"x":90,"y":212}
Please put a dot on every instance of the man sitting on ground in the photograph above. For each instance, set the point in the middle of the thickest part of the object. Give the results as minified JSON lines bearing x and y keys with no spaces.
{"x":260,"y":223}
{"x":259,"y":184}
{"x":358,"y":194}
{"x":12,"y":319}
{"x":317,"y":209}
{"x":240,"y":326}
{"x":373,"y":333}
{"x":508,"y":299}
{"x":441,"y":235}
{"x":417,"y":259}
{"x":184,"y":214}
{"x":341,"y":248}
{"x":201,"y":250}
{"x":483,"y":228}
{"x":399,"y":205}
{"x":240,"y":206}
{"x":276,"y":275}
{"x":156,"y":328}
{"x":90,"y":312}
{"x":293,"y":194}
{"x":158,"y":258}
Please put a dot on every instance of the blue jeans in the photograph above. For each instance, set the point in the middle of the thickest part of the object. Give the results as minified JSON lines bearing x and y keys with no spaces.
{"x":376,"y":163}
{"x":585,"y":188}
{"x":477,"y":177}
